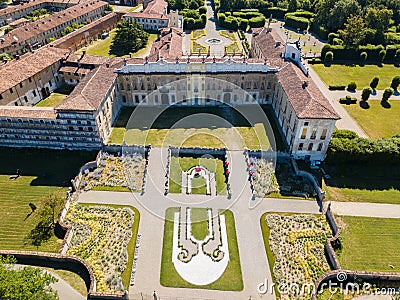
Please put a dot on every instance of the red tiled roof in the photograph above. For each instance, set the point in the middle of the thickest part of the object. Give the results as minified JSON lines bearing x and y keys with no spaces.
{"x":144,"y":15}
{"x":28,"y":65}
{"x":271,"y":46}
{"x":90,"y":92}
{"x":29,"y":31}
{"x":156,"y":7}
{"x":307,"y":100}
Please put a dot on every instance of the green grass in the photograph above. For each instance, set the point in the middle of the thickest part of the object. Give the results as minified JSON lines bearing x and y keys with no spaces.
{"x":198,"y":48}
{"x":391,"y":195}
{"x":126,"y":275}
{"x":101,"y":47}
{"x":177,"y":165}
{"x":199,"y":223}
{"x":362,"y":75}
{"x":55,"y":97}
{"x":231,"y":279}
{"x":111,"y":188}
{"x":73,"y":279}
{"x":376,"y":120}
{"x":43,"y":172}
{"x":370,"y":244}
{"x":228,"y":34}
{"x":233,"y":48}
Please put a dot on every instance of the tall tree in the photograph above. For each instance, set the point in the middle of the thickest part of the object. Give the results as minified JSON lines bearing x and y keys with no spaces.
{"x":24,"y":283}
{"x":378,"y":18}
{"x":341,"y":11}
{"x":353,"y":32}
{"x":129,"y":38}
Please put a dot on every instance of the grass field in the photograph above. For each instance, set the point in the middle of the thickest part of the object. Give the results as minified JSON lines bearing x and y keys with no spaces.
{"x":55,"y":97}
{"x":126,"y":275}
{"x":166,"y":129}
{"x":199,"y":223}
{"x":370,"y":244}
{"x":102,"y":47}
{"x":43,"y":172}
{"x":73,"y":279}
{"x":376,"y":120}
{"x":362,"y":75}
{"x":231,"y":279}
{"x":177,"y":165}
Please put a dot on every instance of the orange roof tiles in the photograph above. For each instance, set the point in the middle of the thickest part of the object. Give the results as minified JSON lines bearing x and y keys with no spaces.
{"x":27,"y":112}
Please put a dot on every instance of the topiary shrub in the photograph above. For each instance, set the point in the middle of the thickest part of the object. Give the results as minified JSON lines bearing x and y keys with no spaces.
{"x":257,"y":22}
{"x":382,"y":55}
{"x":352,"y":86}
{"x":363,"y":56}
{"x":366,"y":92}
{"x":337,"y":87}
{"x":332,"y":36}
{"x":328,"y":57}
{"x":387,"y":94}
{"x":374,"y":83}
{"x":395,"y":83}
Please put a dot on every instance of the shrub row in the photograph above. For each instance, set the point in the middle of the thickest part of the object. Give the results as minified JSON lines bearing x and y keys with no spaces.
{"x":337,"y":87}
{"x":276,"y":12}
{"x":373,"y":53}
{"x":296,"y":22}
{"x":352,"y":148}
{"x":234,"y":23}
{"x":190,"y":23}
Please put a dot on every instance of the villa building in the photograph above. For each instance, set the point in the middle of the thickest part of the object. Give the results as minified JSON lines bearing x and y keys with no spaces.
{"x":103,"y":85}
{"x":36,"y":34}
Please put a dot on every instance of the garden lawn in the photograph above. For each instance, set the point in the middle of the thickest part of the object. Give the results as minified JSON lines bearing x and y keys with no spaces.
{"x":376,"y":120}
{"x":370,"y":244}
{"x":362,"y":75}
{"x":230,"y":280}
{"x":73,"y":279}
{"x":179,"y":164}
{"x":101,"y":47}
{"x":126,"y":275}
{"x":55,"y":97}
{"x":44,"y":172}
{"x":199,"y":217}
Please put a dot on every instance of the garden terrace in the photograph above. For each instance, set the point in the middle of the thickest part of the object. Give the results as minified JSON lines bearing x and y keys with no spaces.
{"x":105,"y":237}
{"x":43,"y":172}
{"x":295,"y":248}
{"x":118,"y":173}
{"x":231,"y":279}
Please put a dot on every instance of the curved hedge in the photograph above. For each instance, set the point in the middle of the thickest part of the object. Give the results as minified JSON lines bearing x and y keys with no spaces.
{"x":296,"y":22}
{"x":342,"y":53}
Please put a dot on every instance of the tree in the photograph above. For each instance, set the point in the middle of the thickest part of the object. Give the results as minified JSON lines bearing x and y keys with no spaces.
{"x":24,"y":283}
{"x":340,"y":13}
{"x":397,"y":56}
{"x":374,"y":83}
{"x":387,"y":94}
{"x":129,"y":37}
{"x":352,"y":86}
{"x":366,"y":92}
{"x":292,"y":7}
{"x":353,"y":32}
{"x":378,"y":19}
{"x":395,"y":83}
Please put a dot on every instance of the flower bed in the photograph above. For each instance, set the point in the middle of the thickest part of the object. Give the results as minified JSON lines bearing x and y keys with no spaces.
{"x":263,"y":174}
{"x":228,"y":34}
{"x":297,"y":243}
{"x":100,"y":236}
{"x":116,"y":171}
{"x":196,"y":34}
{"x":197,"y":48}
{"x":233,"y":48}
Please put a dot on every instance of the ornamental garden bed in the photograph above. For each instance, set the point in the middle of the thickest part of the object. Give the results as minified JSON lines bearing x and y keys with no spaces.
{"x":230,"y":280}
{"x":105,"y":237}
{"x":295,"y":248}
{"x":196,"y":34}
{"x":197,"y":48}
{"x":118,"y":173}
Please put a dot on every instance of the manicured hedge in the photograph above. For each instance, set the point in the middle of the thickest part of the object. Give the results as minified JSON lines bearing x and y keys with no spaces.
{"x":342,"y":53}
{"x":337,"y":87}
{"x":277,"y":12}
{"x":296,"y":22}
{"x":257,"y":22}
{"x":319,"y":30}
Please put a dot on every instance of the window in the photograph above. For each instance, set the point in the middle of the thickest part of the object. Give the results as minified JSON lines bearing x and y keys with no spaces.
{"x":304,"y":133}
{"x":1,"y":97}
{"x":301,"y":145}
{"x":123,"y":98}
{"x":11,"y":91}
{"x":249,"y":85}
{"x":305,"y":123}
{"x":320,"y":146}
{"x":313,"y":133}
{"x":255,"y":85}
{"x":136,"y":98}
{"x":128,"y":87}
{"x":269,"y":85}
{"x":323,"y":134}
{"x":30,"y":79}
{"x":310,"y":146}
{"x":34,"y":93}
{"x":262,"y":86}
{"x":20,"y":85}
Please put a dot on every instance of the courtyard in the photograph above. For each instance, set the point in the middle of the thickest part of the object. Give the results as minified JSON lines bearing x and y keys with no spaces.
{"x":213,"y":127}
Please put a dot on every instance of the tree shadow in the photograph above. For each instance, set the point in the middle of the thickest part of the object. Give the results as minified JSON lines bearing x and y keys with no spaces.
{"x":385,"y":104}
{"x":42,"y":232}
{"x":364,"y":105}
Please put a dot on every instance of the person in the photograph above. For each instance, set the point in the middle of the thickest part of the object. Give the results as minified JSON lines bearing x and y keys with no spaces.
{"x":155,"y":295}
